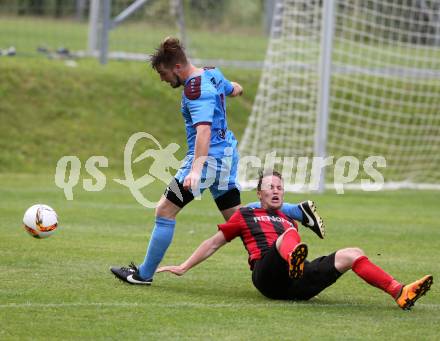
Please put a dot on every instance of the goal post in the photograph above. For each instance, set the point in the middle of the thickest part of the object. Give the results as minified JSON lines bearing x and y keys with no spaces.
{"x":325,"y":63}
{"x":349,"y":80}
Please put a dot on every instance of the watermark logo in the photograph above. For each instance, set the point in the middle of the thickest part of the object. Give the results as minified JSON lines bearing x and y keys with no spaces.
{"x":68,"y":170}
{"x":300,"y":174}
{"x":306,"y":172}
{"x":163,"y":160}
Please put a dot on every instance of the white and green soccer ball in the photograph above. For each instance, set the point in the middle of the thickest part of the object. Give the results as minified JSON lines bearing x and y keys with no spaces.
{"x":40,"y":221}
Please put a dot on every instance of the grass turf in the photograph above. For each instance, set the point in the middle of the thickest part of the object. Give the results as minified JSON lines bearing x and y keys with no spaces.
{"x":26,"y":34}
{"x":53,"y":110}
{"x":61,"y":287}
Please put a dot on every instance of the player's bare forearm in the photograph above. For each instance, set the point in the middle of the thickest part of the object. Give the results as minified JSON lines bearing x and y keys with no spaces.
{"x":203,"y":138}
{"x":238,"y":90}
{"x":203,"y":252}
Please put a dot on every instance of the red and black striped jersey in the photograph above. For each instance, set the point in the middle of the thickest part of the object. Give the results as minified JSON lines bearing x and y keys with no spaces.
{"x":258,"y":229}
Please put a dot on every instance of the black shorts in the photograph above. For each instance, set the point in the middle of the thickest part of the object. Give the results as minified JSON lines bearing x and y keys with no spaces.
{"x":271,"y":277}
{"x":180,"y":197}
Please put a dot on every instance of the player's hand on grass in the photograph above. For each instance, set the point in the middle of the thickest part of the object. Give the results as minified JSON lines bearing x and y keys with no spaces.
{"x":175,"y":269}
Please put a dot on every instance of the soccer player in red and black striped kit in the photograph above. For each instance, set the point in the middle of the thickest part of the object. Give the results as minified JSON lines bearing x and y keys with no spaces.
{"x":277,"y":257}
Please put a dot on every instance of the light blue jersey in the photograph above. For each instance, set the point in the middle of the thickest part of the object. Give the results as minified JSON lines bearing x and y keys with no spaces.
{"x":204,"y":102}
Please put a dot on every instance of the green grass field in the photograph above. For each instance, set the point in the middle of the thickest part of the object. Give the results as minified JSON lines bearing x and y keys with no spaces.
{"x":29,"y":33}
{"x":92,"y":110}
{"x":61,"y":287}
{"x":246,"y":43}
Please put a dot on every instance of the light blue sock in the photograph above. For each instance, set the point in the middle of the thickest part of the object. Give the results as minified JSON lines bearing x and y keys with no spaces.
{"x":291,"y":210}
{"x":161,"y":238}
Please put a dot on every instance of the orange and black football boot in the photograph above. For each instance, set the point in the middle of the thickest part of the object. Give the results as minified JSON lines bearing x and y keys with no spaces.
{"x":296,"y":261}
{"x":410,"y":293}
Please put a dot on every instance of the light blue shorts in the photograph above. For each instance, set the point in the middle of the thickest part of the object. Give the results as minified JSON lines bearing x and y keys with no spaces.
{"x":218,"y":174}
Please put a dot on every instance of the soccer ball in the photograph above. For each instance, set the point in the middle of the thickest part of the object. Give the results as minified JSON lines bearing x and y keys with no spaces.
{"x":40,"y":221}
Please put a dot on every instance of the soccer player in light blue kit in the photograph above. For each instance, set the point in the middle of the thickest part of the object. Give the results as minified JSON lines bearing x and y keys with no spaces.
{"x":211,"y":161}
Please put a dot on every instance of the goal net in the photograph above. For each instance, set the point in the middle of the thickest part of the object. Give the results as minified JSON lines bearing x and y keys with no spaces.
{"x":355,"y":78}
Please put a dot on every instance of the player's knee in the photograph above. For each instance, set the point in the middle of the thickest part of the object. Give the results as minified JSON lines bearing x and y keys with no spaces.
{"x":227,"y":214}
{"x":352,"y":253}
{"x":159,"y":212}
{"x":345,"y":258}
{"x":166,"y":209}
{"x":357,"y":252}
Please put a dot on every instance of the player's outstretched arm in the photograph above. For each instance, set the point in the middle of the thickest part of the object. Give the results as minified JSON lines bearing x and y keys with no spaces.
{"x":204,"y":251}
{"x":238,"y":90}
